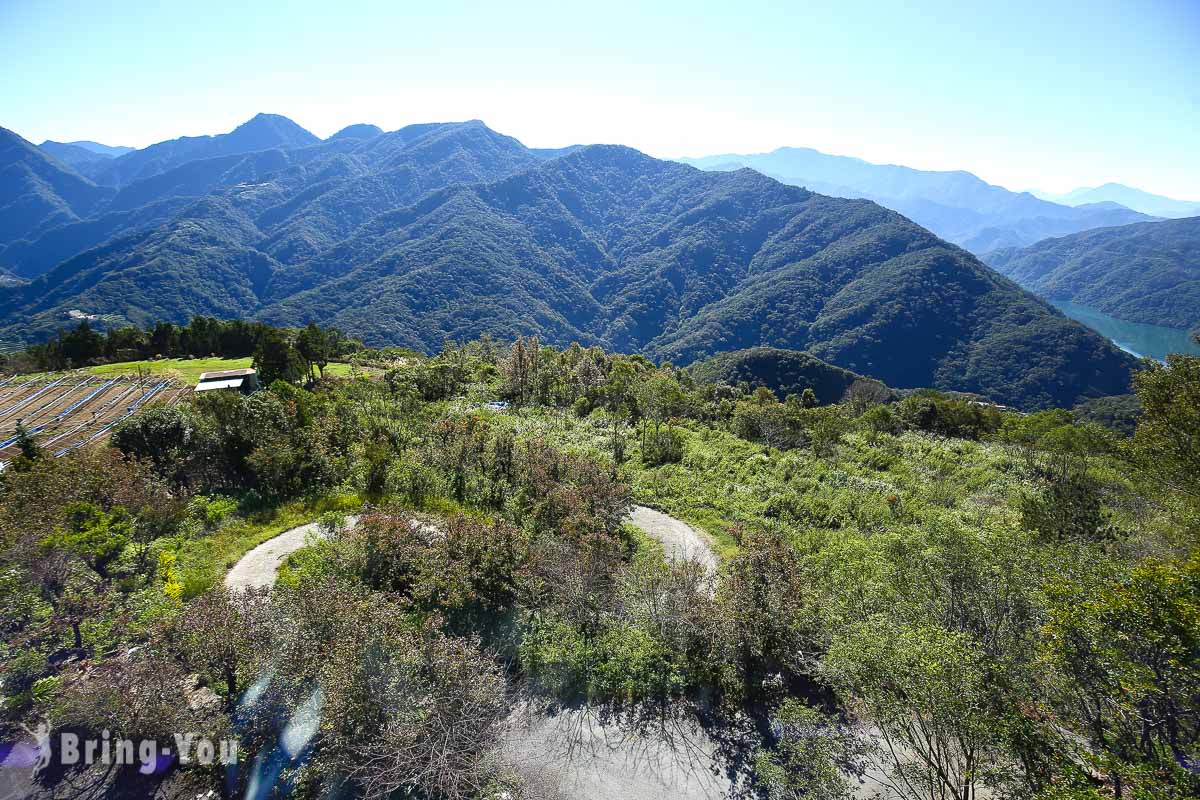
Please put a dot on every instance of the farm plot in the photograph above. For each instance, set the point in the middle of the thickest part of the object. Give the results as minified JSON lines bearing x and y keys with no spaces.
{"x":65,"y":411}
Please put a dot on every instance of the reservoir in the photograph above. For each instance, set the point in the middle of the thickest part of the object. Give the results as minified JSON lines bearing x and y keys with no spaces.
{"x":1149,"y":341}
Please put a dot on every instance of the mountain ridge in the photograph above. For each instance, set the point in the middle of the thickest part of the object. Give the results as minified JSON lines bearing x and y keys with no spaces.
{"x":451,"y":230}
{"x":955,"y":204}
{"x":1146,"y":272}
{"x":1146,"y":202}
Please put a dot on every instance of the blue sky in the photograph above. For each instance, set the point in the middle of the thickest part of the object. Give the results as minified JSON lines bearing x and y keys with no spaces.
{"x":1046,"y":94}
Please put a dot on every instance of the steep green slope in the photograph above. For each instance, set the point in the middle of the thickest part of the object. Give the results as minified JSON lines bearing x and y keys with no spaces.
{"x":1149,"y":272}
{"x":452,"y":230}
{"x":784,"y":372}
{"x":37,"y":191}
{"x":200,"y":264}
{"x":608,"y":245}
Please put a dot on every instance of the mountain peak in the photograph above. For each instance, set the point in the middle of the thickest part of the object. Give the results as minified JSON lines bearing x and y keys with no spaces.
{"x":360,"y":131}
{"x":268,"y":131}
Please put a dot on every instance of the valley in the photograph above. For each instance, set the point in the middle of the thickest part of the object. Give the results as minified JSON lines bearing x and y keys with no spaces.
{"x":389,"y":411}
{"x":1136,"y":338}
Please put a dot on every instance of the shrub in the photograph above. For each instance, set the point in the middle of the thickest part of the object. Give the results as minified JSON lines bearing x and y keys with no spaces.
{"x":663,"y":447}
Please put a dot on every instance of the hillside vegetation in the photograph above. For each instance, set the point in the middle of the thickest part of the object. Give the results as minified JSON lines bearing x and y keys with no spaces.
{"x":784,"y":372}
{"x":955,"y":600}
{"x":451,"y":231}
{"x":1149,"y":272}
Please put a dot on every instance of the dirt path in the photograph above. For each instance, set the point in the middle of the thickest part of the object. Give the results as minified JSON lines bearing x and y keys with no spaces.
{"x":260,"y":566}
{"x":679,"y":540}
{"x":577,"y":755}
{"x":574,"y":752}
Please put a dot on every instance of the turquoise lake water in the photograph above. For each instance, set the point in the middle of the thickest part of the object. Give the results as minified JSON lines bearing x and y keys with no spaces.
{"x":1150,"y":341}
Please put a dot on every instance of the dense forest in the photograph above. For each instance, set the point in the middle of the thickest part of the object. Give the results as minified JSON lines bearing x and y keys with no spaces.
{"x":1148,"y":272}
{"x":451,"y":231}
{"x":944,"y":598}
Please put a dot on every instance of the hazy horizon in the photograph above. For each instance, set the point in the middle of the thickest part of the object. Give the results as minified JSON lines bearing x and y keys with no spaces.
{"x":1026,"y":97}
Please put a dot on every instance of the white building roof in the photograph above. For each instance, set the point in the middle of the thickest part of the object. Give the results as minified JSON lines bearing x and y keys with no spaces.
{"x":231,"y":383}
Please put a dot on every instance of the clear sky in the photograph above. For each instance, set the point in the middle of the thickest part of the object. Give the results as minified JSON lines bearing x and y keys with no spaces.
{"x":1044,"y":94}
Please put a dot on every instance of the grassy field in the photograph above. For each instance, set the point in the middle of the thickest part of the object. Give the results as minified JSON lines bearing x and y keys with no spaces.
{"x":189,"y":369}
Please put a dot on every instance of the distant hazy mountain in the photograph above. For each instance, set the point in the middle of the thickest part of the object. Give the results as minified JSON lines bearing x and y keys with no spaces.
{"x":102,"y":149}
{"x":1154,"y":204}
{"x":360,"y":131}
{"x":958,"y":206}
{"x":1148,"y":272}
{"x":38,"y":192}
{"x":263,"y":132}
{"x":83,"y":154}
{"x":447,"y":231}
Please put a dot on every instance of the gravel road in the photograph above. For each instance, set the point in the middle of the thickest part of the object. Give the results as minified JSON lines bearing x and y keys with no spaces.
{"x":260,"y":566}
{"x":575,"y":752}
{"x":679,"y":540}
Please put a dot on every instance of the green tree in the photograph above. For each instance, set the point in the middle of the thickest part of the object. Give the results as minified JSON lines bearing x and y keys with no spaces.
{"x":313,"y":346}
{"x":277,"y":360}
{"x":810,"y":759}
{"x":1127,"y":652}
{"x":1166,"y":445}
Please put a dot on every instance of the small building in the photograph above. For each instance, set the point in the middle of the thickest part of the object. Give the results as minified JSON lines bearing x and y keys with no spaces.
{"x":241,"y":380}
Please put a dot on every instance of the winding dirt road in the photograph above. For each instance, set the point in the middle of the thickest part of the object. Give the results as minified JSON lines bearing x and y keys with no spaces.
{"x":260,"y":566}
{"x":575,"y":752}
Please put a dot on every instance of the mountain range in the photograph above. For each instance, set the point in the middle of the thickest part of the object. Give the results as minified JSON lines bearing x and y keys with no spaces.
{"x":451,"y":230}
{"x":957,"y":206}
{"x":1138,"y":200}
{"x":1148,"y":272}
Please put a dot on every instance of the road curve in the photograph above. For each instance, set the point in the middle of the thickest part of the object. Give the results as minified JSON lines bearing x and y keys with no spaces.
{"x":680,"y":541}
{"x":260,"y":566}
{"x":580,"y":756}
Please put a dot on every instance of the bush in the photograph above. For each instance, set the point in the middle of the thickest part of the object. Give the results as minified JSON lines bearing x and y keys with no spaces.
{"x":663,"y":447}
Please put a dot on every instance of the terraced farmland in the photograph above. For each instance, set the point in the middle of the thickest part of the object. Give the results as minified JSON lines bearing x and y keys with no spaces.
{"x":68,"y":410}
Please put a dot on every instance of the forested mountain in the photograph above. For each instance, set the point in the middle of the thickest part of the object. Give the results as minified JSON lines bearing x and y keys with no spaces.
{"x":1148,"y":272}
{"x":957,"y":206}
{"x":784,"y":372}
{"x":263,"y":132}
{"x":1129,"y":197}
{"x":452,"y":230}
{"x":38,"y":192}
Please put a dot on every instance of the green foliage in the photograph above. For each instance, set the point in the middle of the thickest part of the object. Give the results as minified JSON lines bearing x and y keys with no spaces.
{"x":1165,"y":442}
{"x":662,"y":447}
{"x":1067,"y":510}
{"x":809,"y":758}
{"x":1119,"y":413}
{"x":1129,"y":650}
{"x":935,"y":571}
{"x":946,"y":416}
{"x":276,"y":359}
{"x":92,"y":535}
